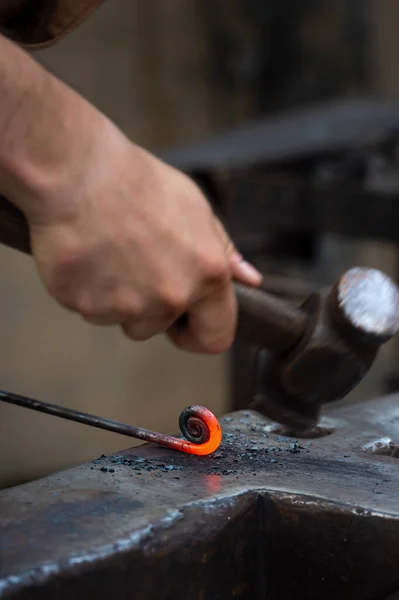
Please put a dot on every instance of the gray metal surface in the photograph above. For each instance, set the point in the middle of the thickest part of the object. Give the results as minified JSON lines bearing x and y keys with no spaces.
{"x":139,"y":524}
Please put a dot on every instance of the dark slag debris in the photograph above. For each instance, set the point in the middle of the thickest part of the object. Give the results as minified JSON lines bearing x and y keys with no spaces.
{"x":240,"y":452}
{"x":107,"y":470}
{"x":138,"y":464}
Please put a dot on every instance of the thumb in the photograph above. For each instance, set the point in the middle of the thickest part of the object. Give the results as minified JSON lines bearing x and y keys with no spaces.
{"x":241,"y":270}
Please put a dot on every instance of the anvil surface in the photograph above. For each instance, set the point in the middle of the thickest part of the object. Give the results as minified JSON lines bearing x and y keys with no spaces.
{"x":265,"y":517}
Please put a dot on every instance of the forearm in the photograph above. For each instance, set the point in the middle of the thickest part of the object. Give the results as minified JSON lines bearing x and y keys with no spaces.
{"x":44,"y":128}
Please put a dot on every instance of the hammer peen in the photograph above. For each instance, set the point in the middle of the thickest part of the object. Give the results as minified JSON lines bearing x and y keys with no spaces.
{"x":318,"y":352}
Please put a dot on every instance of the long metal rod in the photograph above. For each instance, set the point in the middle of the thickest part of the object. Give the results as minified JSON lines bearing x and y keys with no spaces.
{"x":75,"y":415}
{"x":196,"y":422}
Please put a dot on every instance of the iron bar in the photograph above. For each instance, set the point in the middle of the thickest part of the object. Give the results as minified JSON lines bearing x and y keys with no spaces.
{"x":198,"y":424}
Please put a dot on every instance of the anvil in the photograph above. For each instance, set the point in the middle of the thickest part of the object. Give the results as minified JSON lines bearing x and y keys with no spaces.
{"x":266,"y":517}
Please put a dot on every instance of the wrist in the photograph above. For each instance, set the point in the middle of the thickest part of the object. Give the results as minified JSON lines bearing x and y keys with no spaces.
{"x":47,"y":132}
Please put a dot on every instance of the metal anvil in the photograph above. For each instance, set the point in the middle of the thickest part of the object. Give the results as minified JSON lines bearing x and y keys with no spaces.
{"x":268,"y":516}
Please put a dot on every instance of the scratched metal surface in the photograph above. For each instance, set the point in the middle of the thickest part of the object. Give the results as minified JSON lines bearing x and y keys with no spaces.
{"x":118,"y":520}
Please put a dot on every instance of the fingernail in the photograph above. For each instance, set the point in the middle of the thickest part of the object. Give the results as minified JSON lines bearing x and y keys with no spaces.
{"x":245,"y":271}
{"x":249,"y":271}
{"x":237,"y":257}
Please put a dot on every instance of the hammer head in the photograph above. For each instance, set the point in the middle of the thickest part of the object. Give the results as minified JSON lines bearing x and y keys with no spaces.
{"x":346,"y":327}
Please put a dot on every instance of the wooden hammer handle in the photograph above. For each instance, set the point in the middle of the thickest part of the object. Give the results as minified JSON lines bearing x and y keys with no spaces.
{"x":268,"y":321}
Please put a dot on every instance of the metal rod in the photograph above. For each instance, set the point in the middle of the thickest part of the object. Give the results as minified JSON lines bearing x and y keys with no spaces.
{"x":197,"y":423}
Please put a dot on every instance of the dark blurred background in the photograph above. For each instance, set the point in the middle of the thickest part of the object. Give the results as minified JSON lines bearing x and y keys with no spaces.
{"x":170,"y":73}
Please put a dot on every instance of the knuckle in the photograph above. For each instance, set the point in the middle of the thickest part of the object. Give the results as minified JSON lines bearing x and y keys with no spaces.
{"x":136,"y":332}
{"x":134,"y":335}
{"x":67,"y":260}
{"x":218,"y":345}
{"x":204,"y":344}
{"x":142,"y":336}
{"x":215,"y":269}
{"x":85,"y":306}
{"x":193,"y":344}
{"x":174,"y":301}
{"x":62,"y":270}
{"x":128,"y":305}
{"x":128,"y":332}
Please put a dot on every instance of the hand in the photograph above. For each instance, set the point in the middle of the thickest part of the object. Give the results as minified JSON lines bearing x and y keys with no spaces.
{"x":122,"y":238}
{"x":118,"y":236}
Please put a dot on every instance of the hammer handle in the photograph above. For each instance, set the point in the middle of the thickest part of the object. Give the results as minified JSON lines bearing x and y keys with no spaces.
{"x":14,"y":230}
{"x":263,"y":319}
{"x":268,"y":321}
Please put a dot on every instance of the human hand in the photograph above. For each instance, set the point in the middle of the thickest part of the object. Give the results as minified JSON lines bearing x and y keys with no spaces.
{"x":122,"y":238}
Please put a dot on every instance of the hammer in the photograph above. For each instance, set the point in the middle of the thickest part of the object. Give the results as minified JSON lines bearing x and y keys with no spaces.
{"x":318,"y":352}
{"x":321,"y":350}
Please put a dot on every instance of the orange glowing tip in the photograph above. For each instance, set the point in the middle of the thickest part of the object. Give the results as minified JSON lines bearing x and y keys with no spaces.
{"x":201,"y":429}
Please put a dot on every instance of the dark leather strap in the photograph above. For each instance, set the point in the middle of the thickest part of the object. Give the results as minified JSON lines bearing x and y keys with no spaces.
{"x":14,"y":230}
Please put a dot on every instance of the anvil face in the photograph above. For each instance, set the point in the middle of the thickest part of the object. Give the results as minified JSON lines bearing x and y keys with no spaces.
{"x":267,"y":516}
